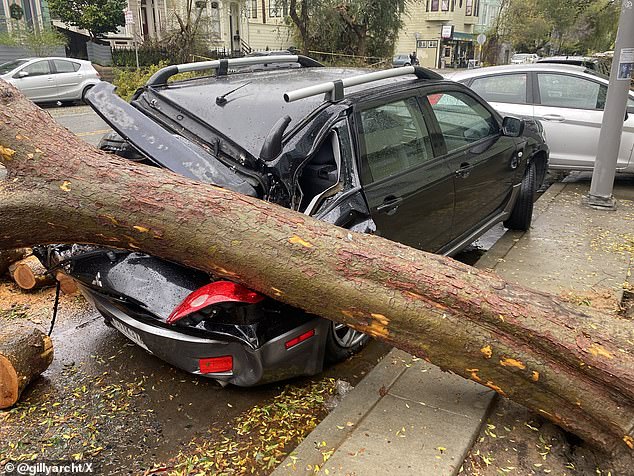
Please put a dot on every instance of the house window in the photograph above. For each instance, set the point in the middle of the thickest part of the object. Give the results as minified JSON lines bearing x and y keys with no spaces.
{"x":477,"y":8}
{"x":277,"y":8}
{"x":444,"y":5}
{"x":253,"y":9}
{"x":434,"y":5}
{"x":469,"y":8}
{"x":453,"y":5}
{"x":427,"y":6}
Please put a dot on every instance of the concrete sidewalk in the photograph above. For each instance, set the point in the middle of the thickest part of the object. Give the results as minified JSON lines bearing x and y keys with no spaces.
{"x":409,"y":418}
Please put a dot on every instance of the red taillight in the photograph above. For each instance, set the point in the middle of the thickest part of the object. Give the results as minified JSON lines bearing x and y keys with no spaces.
{"x":299,"y":339}
{"x":434,"y":98}
{"x":214,"y":365}
{"x":213,"y":293}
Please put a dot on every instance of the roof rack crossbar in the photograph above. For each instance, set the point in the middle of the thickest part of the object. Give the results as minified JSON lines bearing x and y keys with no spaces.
{"x":331,"y":88}
{"x":163,"y":74}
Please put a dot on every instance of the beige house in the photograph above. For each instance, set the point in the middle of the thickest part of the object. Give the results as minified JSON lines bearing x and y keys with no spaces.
{"x":233,"y":26}
{"x":441,"y":32}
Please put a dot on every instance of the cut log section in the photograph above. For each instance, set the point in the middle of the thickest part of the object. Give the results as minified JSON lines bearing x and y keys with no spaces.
{"x":66,"y":283}
{"x":24,"y":354}
{"x":8,"y":257}
{"x":30,"y":274}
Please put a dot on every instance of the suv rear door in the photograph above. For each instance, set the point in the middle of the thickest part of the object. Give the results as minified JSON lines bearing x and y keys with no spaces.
{"x":408,"y":188}
{"x":481,"y":158}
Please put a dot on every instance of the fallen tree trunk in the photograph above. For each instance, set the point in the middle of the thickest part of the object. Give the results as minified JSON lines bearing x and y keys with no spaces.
{"x":572,"y":365}
{"x":29,"y":274}
{"x":24,"y":354}
{"x":8,"y":257}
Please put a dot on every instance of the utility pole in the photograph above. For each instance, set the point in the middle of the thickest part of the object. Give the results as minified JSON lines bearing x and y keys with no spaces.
{"x":600,"y":195}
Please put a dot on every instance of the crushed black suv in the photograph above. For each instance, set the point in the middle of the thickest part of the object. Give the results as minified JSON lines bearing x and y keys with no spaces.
{"x":399,"y":153}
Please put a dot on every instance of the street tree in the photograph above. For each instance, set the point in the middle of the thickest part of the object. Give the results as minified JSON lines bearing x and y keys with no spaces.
{"x":98,"y":17}
{"x":184,"y":40}
{"x":559,"y":27}
{"x":568,"y":363}
{"x":357,"y":27}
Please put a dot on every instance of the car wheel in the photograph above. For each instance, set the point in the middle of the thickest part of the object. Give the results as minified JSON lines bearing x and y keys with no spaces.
{"x":84,"y":92}
{"x":522,"y":213}
{"x":342,"y":342}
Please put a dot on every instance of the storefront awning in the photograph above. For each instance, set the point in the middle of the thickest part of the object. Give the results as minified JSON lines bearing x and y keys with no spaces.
{"x":462,"y":36}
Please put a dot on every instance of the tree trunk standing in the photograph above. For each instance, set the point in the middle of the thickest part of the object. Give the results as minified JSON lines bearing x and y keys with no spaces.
{"x":23,"y":356}
{"x":572,"y":365}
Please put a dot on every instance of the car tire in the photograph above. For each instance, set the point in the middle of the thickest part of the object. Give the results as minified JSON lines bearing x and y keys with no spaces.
{"x":522,"y":213}
{"x":342,"y":342}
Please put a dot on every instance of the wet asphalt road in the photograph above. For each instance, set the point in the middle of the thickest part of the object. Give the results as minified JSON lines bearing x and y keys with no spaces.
{"x":160,"y":409}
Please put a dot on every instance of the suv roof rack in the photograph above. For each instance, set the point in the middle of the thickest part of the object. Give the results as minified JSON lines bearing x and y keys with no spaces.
{"x":335,"y":89}
{"x":222,"y":66}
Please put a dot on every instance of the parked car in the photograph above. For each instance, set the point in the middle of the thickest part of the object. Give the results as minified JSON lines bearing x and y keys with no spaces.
{"x":401,"y":59}
{"x":598,"y":64}
{"x":50,"y":79}
{"x":521,"y":58}
{"x":568,"y":100}
{"x":403,"y":154}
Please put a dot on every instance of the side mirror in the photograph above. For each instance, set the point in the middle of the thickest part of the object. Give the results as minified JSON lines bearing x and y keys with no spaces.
{"x":22,"y":74}
{"x":512,"y":126}
{"x":628,"y":111}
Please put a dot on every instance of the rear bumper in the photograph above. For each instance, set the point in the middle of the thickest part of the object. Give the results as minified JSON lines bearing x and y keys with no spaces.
{"x":269,"y":363}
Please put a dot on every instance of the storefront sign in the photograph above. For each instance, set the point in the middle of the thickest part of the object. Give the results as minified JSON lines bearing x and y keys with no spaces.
{"x":447,"y":31}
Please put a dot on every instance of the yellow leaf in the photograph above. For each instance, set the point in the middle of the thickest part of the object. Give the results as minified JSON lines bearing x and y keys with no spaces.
{"x":65,"y":186}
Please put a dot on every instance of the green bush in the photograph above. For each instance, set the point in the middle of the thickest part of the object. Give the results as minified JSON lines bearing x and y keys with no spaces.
{"x":128,"y":81}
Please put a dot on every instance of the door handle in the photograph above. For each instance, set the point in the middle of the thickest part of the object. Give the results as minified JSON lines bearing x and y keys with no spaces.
{"x":553,"y":117}
{"x":50,"y":79}
{"x":464,"y":171}
{"x":390,"y":204}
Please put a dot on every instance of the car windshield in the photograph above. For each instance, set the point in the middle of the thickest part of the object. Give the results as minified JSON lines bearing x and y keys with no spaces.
{"x":10,"y":66}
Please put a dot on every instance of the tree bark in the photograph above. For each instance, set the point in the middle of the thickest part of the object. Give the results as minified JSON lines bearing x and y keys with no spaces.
{"x":29,"y":274}
{"x":570,"y":364}
{"x":24,"y":354}
{"x":8,"y":257}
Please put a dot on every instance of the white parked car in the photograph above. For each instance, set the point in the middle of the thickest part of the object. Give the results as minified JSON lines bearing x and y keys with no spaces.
{"x":50,"y":79}
{"x":568,"y":100}
{"x":521,"y":58}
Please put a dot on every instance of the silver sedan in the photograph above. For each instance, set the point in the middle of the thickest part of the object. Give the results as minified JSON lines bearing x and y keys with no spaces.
{"x":568,"y":100}
{"x":50,"y":79}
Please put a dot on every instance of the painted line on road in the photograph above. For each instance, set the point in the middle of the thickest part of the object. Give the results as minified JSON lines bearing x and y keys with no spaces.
{"x":93,"y":133}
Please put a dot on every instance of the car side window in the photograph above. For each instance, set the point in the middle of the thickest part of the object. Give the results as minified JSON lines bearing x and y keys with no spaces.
{"x":394,"y":138}
{"x":462,"y":119}
{"x":509,"y":88}
{"x":66,"y":66}
{"x":559,"y":90}
{"x":38,"y":68}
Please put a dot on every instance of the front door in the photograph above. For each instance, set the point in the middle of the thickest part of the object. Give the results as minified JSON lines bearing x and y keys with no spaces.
{"x":482,"y":160}
{"x":37,"y":81}
{"x":409,"y":189}
{"x":234,"y":26}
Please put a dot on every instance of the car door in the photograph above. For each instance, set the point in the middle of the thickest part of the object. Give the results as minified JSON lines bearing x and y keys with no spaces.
{"x":69,"y":78}
{"x":408,"y":187}
{"x":509,"y":94}
{"x":571,"y":110}
{"x":482,"y":159}
{"x":36,"y":81}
